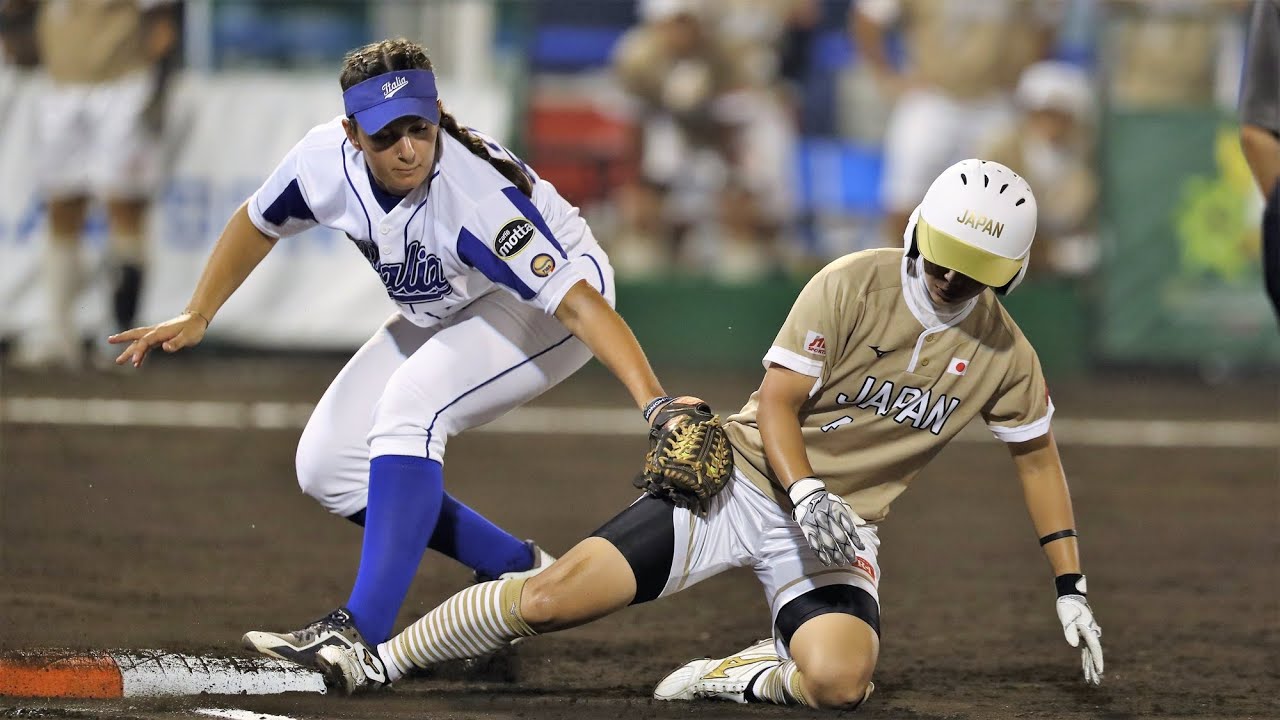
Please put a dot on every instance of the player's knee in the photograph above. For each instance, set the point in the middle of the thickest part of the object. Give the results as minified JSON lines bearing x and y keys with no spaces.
{"x":320,"y":469}
{"x":541,"y":603}
{"x":316,"y":483}
{"x":838,"y":687}
{"x":309,"y":462}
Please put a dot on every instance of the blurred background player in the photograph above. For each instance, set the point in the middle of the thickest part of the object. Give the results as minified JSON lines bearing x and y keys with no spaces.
{"x":99,"y":127}
{"x":962,"y":60}
{"x":1260,"y":129}
{"x":1170,"y":54}
{"x":713,"y":136}
{"x":1051,"y":144}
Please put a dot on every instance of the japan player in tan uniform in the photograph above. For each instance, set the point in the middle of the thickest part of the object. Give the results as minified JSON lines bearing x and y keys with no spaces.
{"x":884,"y":358}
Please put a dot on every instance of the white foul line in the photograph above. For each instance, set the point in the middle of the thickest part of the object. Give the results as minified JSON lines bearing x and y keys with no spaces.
{"x":235,"y":714}
{"x":227,"y":415}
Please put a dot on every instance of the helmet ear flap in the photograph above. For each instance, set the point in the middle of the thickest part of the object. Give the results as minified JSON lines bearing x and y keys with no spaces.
{"x":913,"y":246}
{"x":1017,"y":280}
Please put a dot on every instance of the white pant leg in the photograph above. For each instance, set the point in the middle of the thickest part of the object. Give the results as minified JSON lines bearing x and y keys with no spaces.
{"x":97,"y":135}
{"x":744,"y":528}
{"x":921,"y":140}
{"x":333,"y":452}
{"x":787,"y":566}
{"x":498,"y":354}
{"x":929,"y":131}
{"x":707,"y":546}
{"x":64,"y":131}
{"x":126,"y":152}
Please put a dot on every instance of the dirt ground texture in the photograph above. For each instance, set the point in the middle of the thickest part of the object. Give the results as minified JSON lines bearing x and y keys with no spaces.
{"x":127,"y":537}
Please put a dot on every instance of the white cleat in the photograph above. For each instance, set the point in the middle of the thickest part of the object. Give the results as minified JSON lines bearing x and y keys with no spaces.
{"x":723,"y":679}
{"x":544,"y":560}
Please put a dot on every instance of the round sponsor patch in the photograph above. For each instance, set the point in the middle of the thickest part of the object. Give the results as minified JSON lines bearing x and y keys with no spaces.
{"x":512,"y":238}
{"x":542,"y":265}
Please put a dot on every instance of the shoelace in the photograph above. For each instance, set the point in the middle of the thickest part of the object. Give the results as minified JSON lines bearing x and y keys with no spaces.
{"x":333,"y":621}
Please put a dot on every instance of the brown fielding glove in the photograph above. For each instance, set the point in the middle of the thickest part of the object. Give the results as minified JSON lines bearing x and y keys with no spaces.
{"x":689,"y":458}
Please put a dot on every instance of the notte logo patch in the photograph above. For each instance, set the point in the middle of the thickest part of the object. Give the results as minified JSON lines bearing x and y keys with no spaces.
{"x":512,"y":238}
{"x":392,"y":87}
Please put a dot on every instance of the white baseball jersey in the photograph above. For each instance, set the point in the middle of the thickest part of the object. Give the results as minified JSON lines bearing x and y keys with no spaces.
{"x":452,"y":240}
{"x":459,"y":353}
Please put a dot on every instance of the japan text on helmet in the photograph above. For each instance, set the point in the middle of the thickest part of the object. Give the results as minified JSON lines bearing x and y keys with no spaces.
{"x":977,"y":218}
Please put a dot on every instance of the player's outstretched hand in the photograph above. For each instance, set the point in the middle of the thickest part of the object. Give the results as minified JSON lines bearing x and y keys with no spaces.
{"x":829,"y":524}
{"x":182,"y":331}
{"x":1078,"y":624}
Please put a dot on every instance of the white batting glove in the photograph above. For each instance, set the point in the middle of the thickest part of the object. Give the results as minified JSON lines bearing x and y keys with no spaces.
{"x":1077,"y":624}
{"x":829,"y":524}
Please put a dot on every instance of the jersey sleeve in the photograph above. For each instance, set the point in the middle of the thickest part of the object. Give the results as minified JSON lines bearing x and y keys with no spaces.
{"x":1260,"y":85}
{"x":811,"y":329}
{"x":280,"y":207}
{"x":1021,"y":408}
{"x":508,"y":241}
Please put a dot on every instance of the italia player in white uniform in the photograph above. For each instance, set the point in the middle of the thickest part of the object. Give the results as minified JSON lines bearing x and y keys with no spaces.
{"x":502,"y":292}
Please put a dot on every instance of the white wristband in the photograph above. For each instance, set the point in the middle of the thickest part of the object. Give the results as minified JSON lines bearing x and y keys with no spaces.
{"x":803,"y":488}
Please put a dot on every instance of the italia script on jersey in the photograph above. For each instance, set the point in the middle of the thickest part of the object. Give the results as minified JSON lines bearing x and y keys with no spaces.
{"x":420,"y":278}
{"x":907,"y":405}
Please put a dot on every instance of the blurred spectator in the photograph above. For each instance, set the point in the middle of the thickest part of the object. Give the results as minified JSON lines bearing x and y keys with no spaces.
{"x":764,"y":36}
{"x":962,"y":60}
{"x":1164,"y":54}
{"x":1052,"y":147}
{"x":99,"y":127}
{"x":1260,"y":129}
{"x":17,"y":32}
{"x":705,"y":113}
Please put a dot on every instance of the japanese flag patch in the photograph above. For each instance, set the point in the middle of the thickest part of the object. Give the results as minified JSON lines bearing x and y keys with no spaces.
{"x":958,"y":366}
{"x":815,"y":343}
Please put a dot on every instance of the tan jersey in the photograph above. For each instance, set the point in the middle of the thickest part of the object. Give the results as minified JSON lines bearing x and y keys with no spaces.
{"x":890,"y":392}
{"x":969,"y":48}
{"x":93,"y":41}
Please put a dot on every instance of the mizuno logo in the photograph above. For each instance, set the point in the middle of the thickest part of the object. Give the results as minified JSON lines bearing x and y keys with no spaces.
{"x":879,"y":353}
{"x":393,"y":87}
{"x":722,"y":670}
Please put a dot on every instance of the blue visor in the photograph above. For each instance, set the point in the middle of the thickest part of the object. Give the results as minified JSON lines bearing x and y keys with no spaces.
{"x":402,"y":93}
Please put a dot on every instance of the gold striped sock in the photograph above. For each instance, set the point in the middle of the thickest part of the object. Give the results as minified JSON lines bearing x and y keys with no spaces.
{"x":780,"y":685}
{"x":477,"y":621}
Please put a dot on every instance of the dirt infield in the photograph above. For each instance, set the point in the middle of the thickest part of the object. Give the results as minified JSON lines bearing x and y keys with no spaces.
{"x":127,"y":537}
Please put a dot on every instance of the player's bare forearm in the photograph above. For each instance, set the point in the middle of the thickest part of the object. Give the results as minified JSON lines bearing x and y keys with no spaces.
{"x":1044,"y":487}
{"x":782,"y":393}
{"x":238,"y":251}
{"x":1262,"y":151}
{"x":588,"y":316}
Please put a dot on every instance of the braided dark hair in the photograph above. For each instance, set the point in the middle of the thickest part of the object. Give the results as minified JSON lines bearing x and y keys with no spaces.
{"x":400,"y":54}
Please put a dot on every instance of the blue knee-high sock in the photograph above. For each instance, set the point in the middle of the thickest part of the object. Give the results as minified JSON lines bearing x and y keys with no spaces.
{"x":405,"y":494}
{"x":466,"y":536}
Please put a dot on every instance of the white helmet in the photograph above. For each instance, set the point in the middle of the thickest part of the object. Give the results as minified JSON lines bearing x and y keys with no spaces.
{"x":978,"y":218}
